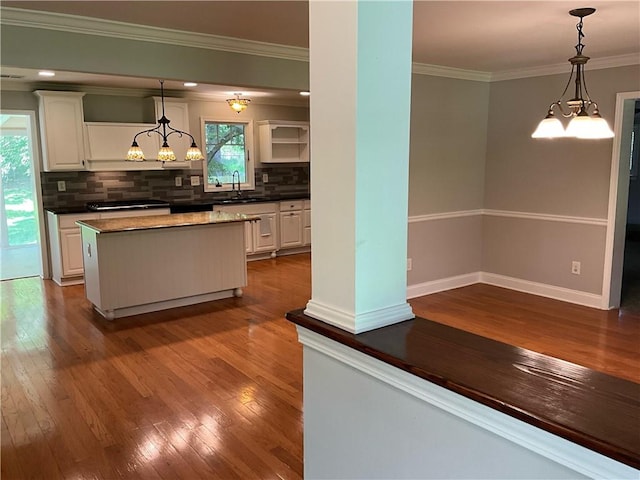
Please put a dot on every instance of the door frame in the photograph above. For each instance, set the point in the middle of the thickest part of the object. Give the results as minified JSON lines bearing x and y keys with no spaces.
{"x":618,"y":198}
{"x":35,"y":160}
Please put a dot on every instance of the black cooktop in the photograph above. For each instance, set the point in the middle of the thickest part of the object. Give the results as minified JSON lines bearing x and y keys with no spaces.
{"x":126,"y":204}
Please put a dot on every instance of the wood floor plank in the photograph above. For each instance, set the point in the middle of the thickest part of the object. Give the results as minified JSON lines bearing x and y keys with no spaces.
{"x":215,"y":390}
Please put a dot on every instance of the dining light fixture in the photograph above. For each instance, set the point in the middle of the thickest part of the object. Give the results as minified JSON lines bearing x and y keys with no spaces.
{"x":582,"y":124}
{"x":165,"y":154}
{"x":238,"y":104}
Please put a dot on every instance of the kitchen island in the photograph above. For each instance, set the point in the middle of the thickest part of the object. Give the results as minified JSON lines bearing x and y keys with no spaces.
{"x":139,"y":265}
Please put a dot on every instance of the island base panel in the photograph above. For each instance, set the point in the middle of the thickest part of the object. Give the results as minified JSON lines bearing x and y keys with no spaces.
{"x":156,"y":306}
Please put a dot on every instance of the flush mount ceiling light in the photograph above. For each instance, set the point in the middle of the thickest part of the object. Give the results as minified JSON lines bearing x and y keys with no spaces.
{"x":238,"y":104}
{"x":46,"y":73}
{"x":582,"y":124}
{"x":165,"y":154}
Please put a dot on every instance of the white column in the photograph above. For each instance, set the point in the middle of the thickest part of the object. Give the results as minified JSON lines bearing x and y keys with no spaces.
{"x":360,"y":78}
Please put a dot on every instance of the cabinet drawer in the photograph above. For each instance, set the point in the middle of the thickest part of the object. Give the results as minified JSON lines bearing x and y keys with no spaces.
{"x":291,"y":205}
{"x":307,"y":204}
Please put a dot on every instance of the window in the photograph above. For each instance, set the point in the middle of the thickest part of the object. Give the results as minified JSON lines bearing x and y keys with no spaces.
{"x":227,"y":152}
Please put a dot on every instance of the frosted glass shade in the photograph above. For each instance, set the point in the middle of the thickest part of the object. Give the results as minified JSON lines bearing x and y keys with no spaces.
{"x":135,"y":153}
{"x":550,"y":127}
{"x":593,"y":127}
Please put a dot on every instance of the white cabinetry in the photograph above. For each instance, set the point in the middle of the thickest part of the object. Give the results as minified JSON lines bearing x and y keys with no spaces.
{"x":177,"y":111}
{"x":261,"y":237}
{"x":65,"y":242}
{"x":306,"y":223}
{"x":283,"y":141}
{"x":108,"y":143}
{"x":61,"y":119}
{"x":291,"y":225}
{"x":66,"y":247}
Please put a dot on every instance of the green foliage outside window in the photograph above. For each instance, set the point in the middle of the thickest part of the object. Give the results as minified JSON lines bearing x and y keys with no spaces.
{"x":225,"y":151}
{"x":19,"y":209}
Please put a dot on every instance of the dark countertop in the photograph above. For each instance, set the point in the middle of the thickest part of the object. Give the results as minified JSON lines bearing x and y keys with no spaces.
{"x":192,"y":205}
{"x":586,"y":407}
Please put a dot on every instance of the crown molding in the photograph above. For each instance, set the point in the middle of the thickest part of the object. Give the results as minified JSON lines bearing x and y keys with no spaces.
{"x":594,"y":64}
{"x":109,"y":28}
{"x":450,"y":72}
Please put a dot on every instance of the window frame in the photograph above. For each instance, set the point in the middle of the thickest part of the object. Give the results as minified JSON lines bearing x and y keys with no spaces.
{"x":250,"y":181}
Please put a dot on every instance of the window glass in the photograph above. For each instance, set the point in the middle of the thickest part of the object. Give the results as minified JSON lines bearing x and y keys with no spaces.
{"x":226,"y":154}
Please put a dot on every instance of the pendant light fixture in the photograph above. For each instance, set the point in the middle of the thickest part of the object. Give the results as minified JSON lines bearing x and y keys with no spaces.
{"x":582,"y":124}
{"x":238,"y":104}
{"x":165,"y":154}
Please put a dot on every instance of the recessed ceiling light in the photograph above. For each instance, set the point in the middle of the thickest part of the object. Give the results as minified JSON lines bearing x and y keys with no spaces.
{"x":190,"y":84}
{"x":46,"y":73}
{"x":305,"y":94}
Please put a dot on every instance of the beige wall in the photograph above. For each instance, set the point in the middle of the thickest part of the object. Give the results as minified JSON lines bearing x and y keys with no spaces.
{"x":448,"y":141}
{"x":444,"y":248}
{"x":40,"y":48}
{"x":542,"y":251}
{"x":446,"y":174}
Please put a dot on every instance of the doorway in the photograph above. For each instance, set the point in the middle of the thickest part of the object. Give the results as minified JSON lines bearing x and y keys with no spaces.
{"x":20,"y":222}
{"x":630,"y":296}
{"x":622,"y":173}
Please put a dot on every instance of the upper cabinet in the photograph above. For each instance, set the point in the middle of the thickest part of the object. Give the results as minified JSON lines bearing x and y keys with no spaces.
{"x":177,"y":111}
{"x":283,"y":141}
{"x":61,"y":125}
{"x":107,"y":144}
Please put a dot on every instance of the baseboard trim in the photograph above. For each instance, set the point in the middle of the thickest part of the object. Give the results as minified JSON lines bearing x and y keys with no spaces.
{"x":542,"y":289}
{"x":362,"y":322}
{"x":535,"y":288}
{"x":442,"y":284}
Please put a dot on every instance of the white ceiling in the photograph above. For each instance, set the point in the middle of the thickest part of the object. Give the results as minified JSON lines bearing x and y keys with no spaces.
{"x":484,"y":36}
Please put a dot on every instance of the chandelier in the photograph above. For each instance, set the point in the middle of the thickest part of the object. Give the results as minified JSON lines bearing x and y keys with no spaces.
{"x":582,"y":124}
{"x":238,"y":104}
{"x":165,"y":154}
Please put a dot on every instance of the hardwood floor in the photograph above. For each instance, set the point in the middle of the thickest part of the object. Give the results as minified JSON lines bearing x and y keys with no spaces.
{"x":215,"y":390}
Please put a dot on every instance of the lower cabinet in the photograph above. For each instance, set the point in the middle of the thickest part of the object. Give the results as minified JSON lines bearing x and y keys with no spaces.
{"x":290,"y":225}
{"x":65,"y":242}
{"x":261,"y":236}
{"x":284,"y":227}
{"x":306,"y":223}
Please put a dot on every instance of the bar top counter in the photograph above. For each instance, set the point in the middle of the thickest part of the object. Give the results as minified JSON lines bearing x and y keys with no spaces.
{"x":590,"y":408}
{"x":126,"y":224}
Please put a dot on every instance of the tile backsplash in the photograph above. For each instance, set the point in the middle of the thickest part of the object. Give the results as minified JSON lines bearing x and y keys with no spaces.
{"x":83,"y":187}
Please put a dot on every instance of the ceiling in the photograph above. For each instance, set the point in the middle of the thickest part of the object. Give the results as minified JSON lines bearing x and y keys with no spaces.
{"x":484,"y":36}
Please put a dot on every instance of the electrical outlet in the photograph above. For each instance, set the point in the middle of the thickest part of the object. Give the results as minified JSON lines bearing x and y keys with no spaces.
{"x":178,"y":181}
{"x":195,"y":180}
{"x":575,"y":268}
{"x":265,"y":178}
{"x":62,"y":186}
{"x":409,"y":264}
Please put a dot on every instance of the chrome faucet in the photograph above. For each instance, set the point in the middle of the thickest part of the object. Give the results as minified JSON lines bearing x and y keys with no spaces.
{"x":233,"y":183}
